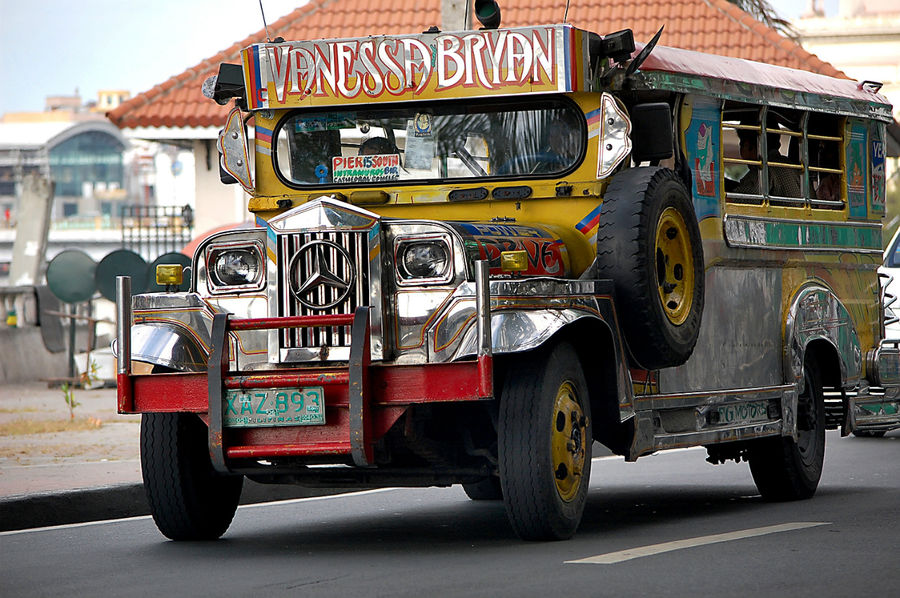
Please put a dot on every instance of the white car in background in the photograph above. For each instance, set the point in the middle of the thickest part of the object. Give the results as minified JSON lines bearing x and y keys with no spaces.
{"x":889,"y":274}
{"x":890,"y":280}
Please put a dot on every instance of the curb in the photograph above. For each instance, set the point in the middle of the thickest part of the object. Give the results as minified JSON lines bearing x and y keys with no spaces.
{"x":116,"y":502}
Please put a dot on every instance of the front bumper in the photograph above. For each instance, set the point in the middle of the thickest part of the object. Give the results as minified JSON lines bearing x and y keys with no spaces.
{"x":363,"y":399}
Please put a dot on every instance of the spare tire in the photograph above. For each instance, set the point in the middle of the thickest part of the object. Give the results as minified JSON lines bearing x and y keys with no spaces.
{"x":649,"y":245}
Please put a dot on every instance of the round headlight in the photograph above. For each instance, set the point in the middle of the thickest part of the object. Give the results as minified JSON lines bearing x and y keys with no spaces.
{"x":426,"y":259}
{"x":236,"y":267}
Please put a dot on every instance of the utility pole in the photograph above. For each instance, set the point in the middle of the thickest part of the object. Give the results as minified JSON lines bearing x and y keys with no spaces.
{"x":32,"y":228}
{"x":453,"y":15}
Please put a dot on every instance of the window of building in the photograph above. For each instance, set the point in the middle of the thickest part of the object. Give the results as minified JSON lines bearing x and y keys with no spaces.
{"x":92,"y":157}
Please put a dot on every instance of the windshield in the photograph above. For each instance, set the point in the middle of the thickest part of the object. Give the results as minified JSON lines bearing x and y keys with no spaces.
{"x":417,"y":142}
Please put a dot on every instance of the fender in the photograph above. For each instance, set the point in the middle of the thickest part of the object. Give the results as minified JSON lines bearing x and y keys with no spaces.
{"x":515,"y":331}
{"x":816,"y":313}
{"x":525,"y":313}
{"x":169,"y":346}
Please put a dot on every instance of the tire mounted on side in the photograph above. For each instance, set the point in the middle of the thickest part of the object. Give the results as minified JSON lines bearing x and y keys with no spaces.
{"x":649,"y":245}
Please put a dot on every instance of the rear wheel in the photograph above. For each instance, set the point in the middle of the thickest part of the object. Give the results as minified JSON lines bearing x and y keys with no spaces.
{"x":188,"y":499}
{"x":544,"y":444}
{"x":787,"y":470}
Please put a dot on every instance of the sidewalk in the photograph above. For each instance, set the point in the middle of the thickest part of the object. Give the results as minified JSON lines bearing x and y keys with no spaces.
{"x":55,"y":470}
{"x":43,"y":450}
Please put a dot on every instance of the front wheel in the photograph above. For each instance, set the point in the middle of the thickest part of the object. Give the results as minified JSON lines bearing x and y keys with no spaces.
{"x":544,"y":444}
{"x":787,"y":470}
{"x":188,"y":499}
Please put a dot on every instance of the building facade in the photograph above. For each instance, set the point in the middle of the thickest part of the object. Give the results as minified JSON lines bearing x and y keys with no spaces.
{"x":863,"y":40}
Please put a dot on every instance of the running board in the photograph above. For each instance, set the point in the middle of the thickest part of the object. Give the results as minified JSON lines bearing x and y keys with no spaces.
{"x":680,"y":420}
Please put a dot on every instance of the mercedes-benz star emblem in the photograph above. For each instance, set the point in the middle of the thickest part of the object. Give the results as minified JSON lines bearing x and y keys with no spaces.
{"x":322,"y":274}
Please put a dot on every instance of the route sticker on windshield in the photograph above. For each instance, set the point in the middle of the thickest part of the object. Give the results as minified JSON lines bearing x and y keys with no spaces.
{"x":366,"y":169}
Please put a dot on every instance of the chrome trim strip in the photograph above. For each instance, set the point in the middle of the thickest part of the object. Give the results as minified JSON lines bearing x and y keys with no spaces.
{"x":483,"y":307}
{"x":123,"y":323}
{"x":751,"y":232}
{"x":709,"y":397}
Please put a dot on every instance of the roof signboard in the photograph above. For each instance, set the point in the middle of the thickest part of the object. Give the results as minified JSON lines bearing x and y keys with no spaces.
{"x":426,"y":66}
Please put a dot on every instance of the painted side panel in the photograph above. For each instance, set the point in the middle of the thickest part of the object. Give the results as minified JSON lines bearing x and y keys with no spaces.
{"x":740,"y":337}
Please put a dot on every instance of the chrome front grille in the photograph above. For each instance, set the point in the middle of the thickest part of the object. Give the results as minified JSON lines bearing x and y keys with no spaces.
{"x":320,"y":273}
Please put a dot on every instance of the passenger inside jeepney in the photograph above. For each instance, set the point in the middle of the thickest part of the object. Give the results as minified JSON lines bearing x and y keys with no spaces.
{"x":783,"y":182}
{"x":377,"y":145}
{"x":828,"y":184}
{"x":562,"y":142}
{"x":562,"y":136}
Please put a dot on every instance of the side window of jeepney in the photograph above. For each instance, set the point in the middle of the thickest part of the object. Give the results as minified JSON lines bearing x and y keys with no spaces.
{"x":418,"y":143}
{"x":825,"y":143}
{"x":781,"y":156}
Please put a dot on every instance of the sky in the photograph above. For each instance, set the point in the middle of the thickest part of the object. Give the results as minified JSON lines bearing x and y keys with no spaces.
{"x":53,"y":47}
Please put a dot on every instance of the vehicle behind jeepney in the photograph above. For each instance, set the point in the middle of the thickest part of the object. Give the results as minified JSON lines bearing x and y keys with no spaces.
{"x":477,"y":252}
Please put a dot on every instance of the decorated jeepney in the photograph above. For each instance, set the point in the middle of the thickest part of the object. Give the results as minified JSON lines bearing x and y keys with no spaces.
{"x":476,"y":253}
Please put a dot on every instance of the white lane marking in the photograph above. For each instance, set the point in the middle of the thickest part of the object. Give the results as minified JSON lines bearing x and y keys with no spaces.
{"x":145,"y":517}
{"x":72,"y":525}
{"x":291,"y":501}
{"x":283,"y":502}
{"x":642,"y":551}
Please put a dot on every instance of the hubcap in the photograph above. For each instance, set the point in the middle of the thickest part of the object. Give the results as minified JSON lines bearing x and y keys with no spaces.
{"x":674,"y":266}
{"x":569,"y":442}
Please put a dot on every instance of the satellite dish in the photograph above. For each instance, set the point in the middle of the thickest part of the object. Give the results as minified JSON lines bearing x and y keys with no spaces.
{"x":121,"y":262}
{"x":70,"y":276}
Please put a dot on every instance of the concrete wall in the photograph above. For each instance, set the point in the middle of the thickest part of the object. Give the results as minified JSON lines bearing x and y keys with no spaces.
{"x":215,"y":203}
{"x":23,"y":357}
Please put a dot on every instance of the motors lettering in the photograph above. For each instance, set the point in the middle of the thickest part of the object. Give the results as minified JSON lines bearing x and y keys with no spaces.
{"x":544,"y":255}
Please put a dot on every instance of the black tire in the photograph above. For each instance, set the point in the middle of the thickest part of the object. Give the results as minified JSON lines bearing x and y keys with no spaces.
{"x":869,"y":433}
{"x":188,"y":499}
{"x":486,"y":489}
{"x":544,"y":441}
{"x":787,"y":470}
{"x":649,"y":245}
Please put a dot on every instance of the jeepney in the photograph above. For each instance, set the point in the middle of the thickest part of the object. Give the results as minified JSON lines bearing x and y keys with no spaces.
{"x":478,"y":252}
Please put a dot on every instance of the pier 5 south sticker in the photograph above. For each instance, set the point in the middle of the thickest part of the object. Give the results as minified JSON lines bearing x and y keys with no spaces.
{"x":366,"y":169}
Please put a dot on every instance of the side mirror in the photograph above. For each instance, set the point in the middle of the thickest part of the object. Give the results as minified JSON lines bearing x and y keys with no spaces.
{"x":227,"y":84}
{"x":651,"y":132}
{"x":234,"y":157}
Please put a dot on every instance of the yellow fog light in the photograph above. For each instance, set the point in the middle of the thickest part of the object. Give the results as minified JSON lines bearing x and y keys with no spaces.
{"x":514,"y":261}
{"x":169,"y":275}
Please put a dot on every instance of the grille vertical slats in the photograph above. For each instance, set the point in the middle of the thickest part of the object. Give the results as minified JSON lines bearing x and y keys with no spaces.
{"x":294,"y":271}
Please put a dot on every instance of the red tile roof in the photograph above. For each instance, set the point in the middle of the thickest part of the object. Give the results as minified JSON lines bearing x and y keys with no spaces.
{"x":712,"y":26}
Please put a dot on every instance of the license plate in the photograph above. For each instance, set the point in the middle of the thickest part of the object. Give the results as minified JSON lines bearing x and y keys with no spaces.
{"x":741,"y":413}
{"x":274,"y":407}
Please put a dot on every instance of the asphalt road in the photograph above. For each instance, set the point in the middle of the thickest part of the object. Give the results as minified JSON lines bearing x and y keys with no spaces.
{"x":668,"y":525}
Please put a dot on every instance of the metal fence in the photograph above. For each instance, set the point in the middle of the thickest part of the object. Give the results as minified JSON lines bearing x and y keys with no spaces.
{"x":154,"y":230}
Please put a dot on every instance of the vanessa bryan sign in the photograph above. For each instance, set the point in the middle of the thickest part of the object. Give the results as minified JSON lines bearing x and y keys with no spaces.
{"x":438,"y":65}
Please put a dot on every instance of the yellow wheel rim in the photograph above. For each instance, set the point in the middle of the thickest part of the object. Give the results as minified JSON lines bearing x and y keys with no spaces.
{"x":569,"y":442}
{"x":674,"y":266}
